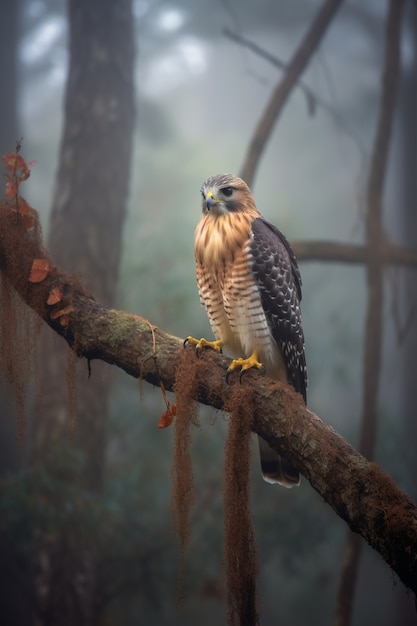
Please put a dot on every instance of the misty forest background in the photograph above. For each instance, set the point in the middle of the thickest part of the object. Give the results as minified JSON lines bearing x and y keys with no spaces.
{"x":86,"y":527}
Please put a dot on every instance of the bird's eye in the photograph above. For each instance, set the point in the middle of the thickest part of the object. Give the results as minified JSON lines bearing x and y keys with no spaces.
{"x":227,"y":191}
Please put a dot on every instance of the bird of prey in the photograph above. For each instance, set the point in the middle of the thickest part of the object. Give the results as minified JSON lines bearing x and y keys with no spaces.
{"x":249,"y":282}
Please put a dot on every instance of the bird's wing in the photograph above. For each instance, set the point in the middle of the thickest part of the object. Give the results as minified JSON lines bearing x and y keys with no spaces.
{"x":276,"y":271}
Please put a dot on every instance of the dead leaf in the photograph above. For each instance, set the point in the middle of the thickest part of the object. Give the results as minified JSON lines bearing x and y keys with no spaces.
{"x":64,"y":321}
{"x":40,"y":270}
{"x":9,"y":160}
{"x":23,"y":206}
{"x":11,"y":190}
{"x":16,"y":164}
{"x":167,"y":418}
{"x":61,"y":312}
{"x":55,"y":296}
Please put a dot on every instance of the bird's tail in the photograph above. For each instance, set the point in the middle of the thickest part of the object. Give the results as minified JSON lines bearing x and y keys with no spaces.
{"x":275,"y":468}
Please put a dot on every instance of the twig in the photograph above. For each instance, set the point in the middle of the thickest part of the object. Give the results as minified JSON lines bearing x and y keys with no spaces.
{"x":279,"y":96}
{"x":312,"y":99}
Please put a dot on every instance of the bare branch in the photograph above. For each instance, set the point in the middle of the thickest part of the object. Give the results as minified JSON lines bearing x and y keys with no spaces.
{"x":338,"y":252}
{"x":279,"y":96}
{"x":312,"y":99}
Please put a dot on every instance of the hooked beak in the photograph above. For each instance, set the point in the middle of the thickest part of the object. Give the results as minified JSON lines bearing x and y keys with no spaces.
{"x":210,"y":201}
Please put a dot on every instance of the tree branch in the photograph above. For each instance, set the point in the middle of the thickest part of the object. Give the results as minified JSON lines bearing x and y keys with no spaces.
{"x":279,"y":96}
{"x":358,"y":490}
{"x":339,"y":252}
{"x":311,"y":97}
{"x":313,"y":100}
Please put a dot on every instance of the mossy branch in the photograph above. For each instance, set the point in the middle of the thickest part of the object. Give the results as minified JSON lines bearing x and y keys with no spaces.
{"x":358,"y":490}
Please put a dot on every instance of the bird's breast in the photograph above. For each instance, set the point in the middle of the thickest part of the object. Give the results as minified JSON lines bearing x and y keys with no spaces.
{"x":218,"y":240}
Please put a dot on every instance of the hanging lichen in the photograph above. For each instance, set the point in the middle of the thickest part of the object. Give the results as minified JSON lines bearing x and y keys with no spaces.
{"x":240,"y":550}
{"x":182,"y":473}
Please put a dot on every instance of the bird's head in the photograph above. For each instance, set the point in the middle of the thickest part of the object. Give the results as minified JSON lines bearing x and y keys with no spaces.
{"x":225,"y":193}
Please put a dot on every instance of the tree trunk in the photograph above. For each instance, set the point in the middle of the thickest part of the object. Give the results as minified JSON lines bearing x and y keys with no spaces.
{"x":90,"y":198}
{"x":375,"y":284}
{"x":85,"y":235}
{"x":8,"y":71}
{"x":15,"y":582}
{"x":407,"y":169}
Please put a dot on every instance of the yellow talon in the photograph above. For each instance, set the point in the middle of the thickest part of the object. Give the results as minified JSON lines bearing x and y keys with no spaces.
{"x":203,"y":343}
{"x":244,"y":365}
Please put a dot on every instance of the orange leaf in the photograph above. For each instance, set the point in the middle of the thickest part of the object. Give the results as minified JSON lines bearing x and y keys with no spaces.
{"x":16,"y":164}
{"x":167,"y":418}
{"x":64,"y":320}
{"x":20,"y":163}
{"x":9,"y":160}
{"x":40,"y":270}
{"x":23,"y":206}
{"x":11,"y":189}
{"x":61,"y":312}
{"x":55,"y":296}
{"x":24,"y":173}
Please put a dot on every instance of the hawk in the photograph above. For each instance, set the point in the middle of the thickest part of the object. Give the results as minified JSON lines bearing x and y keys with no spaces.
{"x":249,"y":282}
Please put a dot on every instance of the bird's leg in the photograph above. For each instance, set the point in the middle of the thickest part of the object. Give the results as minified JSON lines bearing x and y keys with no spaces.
{"x":203,"y":343}
{"x":244,"y":365}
